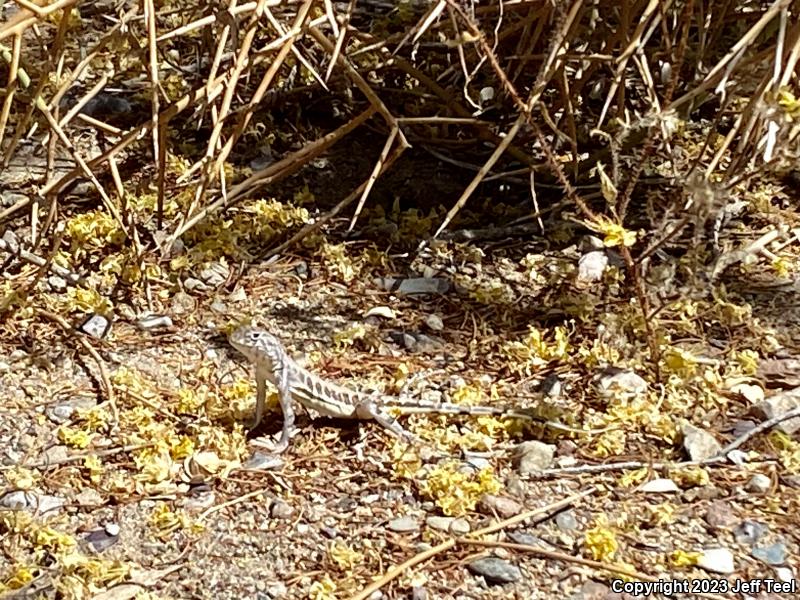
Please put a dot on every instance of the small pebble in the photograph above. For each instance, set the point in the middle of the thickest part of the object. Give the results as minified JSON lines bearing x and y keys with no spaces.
{"x":592,"y":265}
{"x":58,"y":284}
{"x":409,"y":341}
{"x":276,"y":589}
{"x":15,"y":500}
{"x":281,"y":510}
{"x":738,"y":457}
{"x":476,"y":463}
{"x":719,"y":515}
{"x":758,"y":484}
{"x":741,"y":427}
{"x":96,"y":326}
{"x":381,"y":311}
{"x":199,"y":500}
{"x":749,"y":532}
{"x":182,"y":303}
{"x":152,"y":322}
{"x":495,"y":570}
{"x":659,"y":486}
{"x":440,"y":523}
{"x":504,"y":506}
{"x":521,"y":537}
{"x":100,"y":540}
{"x":717,"y":560}
{"x":61,"y":413}
{"x":329,"y":532}
{"x":531,"y":457}
{"x":20,"y":500}
{"x":460,"y":527}
{"x":699,"y":444}
{"x":620,"y":382}
{"x":218,"y":306}
{"x":774,"y":554}
{"x":551,"y":386}
{"x":593,"y":590}
{"x":566,"y":521}
{"x":434,"y":322}
{"x":419,"y":593}
{"x":192,"y":284}
{"x":780,"y":404}
{"x":403,"y":524}
{"x":88,"y":497}
{"x":301,"y":269}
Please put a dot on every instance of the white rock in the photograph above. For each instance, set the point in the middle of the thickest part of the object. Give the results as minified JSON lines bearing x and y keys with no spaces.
{"x":414,"y":285}
{"x":533,"y":456}
{"x":627,"y":383}
{"x":381,"y":311}
{"x":486,"y":94}
{"x":61,"y":413}
{"x":717,"y":560}
{"x":592,"y":265}
{"x":737,"y":457}
{"x":752,"y":393}
{"x":460,"y":527}
{"x":440,"y":523}
{"x":15,"y":501}
{"x":699,"y":444}
{"x":434,"y":322}
{"x":781,"y":404}
{"x":96,"y":326}
{"x":151,"y":322}
{"x":758,"y":484}
{"x":659,"y":486}
{"x":41,"y":504}
{"x":403,"y":524}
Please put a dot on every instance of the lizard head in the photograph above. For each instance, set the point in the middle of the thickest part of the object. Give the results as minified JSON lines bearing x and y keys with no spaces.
{"x":256,"y":344}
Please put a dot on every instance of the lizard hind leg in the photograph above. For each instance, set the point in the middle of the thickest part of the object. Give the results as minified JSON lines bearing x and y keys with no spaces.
{"x":368,"y":410}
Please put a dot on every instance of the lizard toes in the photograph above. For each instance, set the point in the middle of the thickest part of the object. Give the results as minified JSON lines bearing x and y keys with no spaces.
{"x":273,"y":446}
{"x":263,"y":462}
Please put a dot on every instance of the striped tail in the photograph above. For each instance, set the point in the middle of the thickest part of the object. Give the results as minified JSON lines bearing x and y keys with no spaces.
{"x":407,"y":406}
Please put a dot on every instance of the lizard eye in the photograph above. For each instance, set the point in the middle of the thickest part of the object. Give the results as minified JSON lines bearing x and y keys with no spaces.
{"x":257,"y":336}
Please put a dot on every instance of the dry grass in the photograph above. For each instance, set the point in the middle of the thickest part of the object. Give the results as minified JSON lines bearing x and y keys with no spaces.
{"x":270,"y":159}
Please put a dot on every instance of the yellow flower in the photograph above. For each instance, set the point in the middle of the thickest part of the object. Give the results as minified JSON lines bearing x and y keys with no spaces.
{"x":77,"y":438}
{"x":343,"y":556}
{"x":601,"y":541}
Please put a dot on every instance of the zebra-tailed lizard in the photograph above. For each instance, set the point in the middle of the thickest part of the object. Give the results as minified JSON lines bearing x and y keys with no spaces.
{"x":296,"y":384}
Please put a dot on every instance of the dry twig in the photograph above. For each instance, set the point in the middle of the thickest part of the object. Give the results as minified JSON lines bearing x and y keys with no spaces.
{"x":108,"y":388}
{"x":543,"y":511}
{"x":720,"y":457}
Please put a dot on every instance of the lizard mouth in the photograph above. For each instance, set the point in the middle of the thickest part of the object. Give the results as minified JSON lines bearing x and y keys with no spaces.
{"x":219,"y":339}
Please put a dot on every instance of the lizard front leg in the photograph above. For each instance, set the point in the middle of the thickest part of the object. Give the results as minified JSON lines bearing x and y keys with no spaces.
{"x":368,"y":410}
{"x":261,"y":398}
{"x":285,"y":400}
